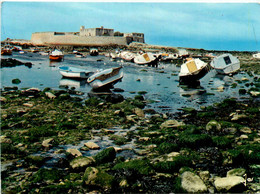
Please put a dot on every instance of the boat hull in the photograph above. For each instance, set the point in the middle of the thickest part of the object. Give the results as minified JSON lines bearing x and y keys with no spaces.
{"x":229,"y":69}
{"x":74,"y":73}
{"x":190,"y":78}
{"x":106,"y":80}
{"x":6,"y":52}
{"x":56,"y":58}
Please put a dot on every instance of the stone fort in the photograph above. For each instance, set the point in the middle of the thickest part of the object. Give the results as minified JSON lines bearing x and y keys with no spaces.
{"x":86,"y":37}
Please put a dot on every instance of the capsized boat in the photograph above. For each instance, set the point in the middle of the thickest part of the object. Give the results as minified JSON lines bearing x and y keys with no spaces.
{"x":56,"y":55}
{"x":93,"y":52}
{"x":106,"y":78}
{"x":127,"y":56}
{"x":73,"y":72}
{"x":193,"y":70}
{"x":146,"y":59}
{"x":225,"y":64}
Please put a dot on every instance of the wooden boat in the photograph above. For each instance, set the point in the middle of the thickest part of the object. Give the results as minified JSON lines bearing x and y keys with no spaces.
{"x":193,"y":70}
{"x":225,"y":64}
{"x":93,"y":52}
{"x":106,"y":78}
{"x":127,"y":56}
{"x":146,"y":59}
{"x":73,"y":72}
{"x":56,"y":55}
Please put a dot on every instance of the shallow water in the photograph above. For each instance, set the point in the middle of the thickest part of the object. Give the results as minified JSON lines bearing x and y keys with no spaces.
{"x":161,"y":84}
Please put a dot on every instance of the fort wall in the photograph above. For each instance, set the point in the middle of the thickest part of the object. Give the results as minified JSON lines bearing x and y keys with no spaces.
{"x":53,"y":38}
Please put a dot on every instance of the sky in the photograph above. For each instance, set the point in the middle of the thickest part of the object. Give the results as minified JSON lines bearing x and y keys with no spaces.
{"x":211,"y":26}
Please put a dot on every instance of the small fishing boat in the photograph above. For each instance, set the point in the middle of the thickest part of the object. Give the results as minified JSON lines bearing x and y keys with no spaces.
{"x":127,"y":56}
{"x":146,"y":59}
{"x":6,"y":50}
{"x":193,"y":70}
{"x":106,"y":78}
{"x":44,"y":53}
{"x":56,"y":55}
{"x":93,"y":52}
{"x":73,"y":72}
{"x":225,"y":64}
{"x":79,"y":55}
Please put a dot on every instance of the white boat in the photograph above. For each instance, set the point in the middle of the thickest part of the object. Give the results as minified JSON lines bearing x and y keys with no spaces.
{"x":127,"y":56}
{"x":106,"y":78}
{"x":56,"y":55}
{"x":79,"y":55}
{"x":257,"y":55}
{"x":146,"y":59}
{"x":225,"y":64}
{"x":73,"y":72}
{"x":44,"y":53}
{"x":193,"y":70}
{"x":115,"y":56}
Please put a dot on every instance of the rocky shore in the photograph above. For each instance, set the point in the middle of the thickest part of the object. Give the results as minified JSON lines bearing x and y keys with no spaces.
{"x":53,"y":141}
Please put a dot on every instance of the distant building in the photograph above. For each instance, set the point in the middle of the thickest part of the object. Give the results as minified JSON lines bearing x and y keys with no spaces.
{"x":86,"y":37}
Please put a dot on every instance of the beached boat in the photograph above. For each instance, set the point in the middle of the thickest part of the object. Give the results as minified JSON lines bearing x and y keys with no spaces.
{"x":6,"y":50}
{"x":34,"y":49}
{"x":193,"y":70}
{"x":146,"y":59}
{"x":56,"y":55}
{"x":106,"y":78}
{"x":79,"y":55}
{"x":127,"y":56}
{"x":225,"y":64}
{"x":73,"y":72}
{"x":256,"y":55}
{"x":44,"y":53}
{"x":93,"y":52}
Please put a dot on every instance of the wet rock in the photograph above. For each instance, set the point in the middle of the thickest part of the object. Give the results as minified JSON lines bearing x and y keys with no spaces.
{"x":3,"y":99}
{"x":119,"y":113}
{"x":31,"y":92}
{"x":82,"y":162}
{"x":236,"y":116}
{"x":255,"y":93}
{"x":230,"y":130}
{"x":245,"y":130}
{"x":46,"y":143}
{"x":114,"y":98}
{"x":236,"y":172}
{"x":16,"y":81}
{"x":74,"y":152}
{"x":139,"y":112}
{"x":213,"y":126}
{"x":95,"y":177}
{"x":192,"y":183}
{"x":92,"y":145}
{"x":28,"y":104}
{"x":171,"y":124}
{"x":4,"y":139}
{"x":118,"y":90}
{"x":230,"y":184}
{"x":106,"y":155}
{"x":204,"y":175}
{"x":50,"y":95}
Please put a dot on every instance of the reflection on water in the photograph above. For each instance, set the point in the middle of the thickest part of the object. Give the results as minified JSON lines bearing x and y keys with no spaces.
{"x":161,"y":84}
{"x":73,"y":83}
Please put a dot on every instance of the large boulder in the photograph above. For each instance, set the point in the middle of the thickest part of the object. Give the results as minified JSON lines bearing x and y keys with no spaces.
{"x":230,"y":184}
{"x":74,"y":152}
{"x":192,"y":183}
{"x":82,"y":162}
{"x":236,"y":172}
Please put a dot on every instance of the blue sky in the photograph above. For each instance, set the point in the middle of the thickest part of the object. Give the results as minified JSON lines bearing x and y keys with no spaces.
{"x":219,"y":26}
